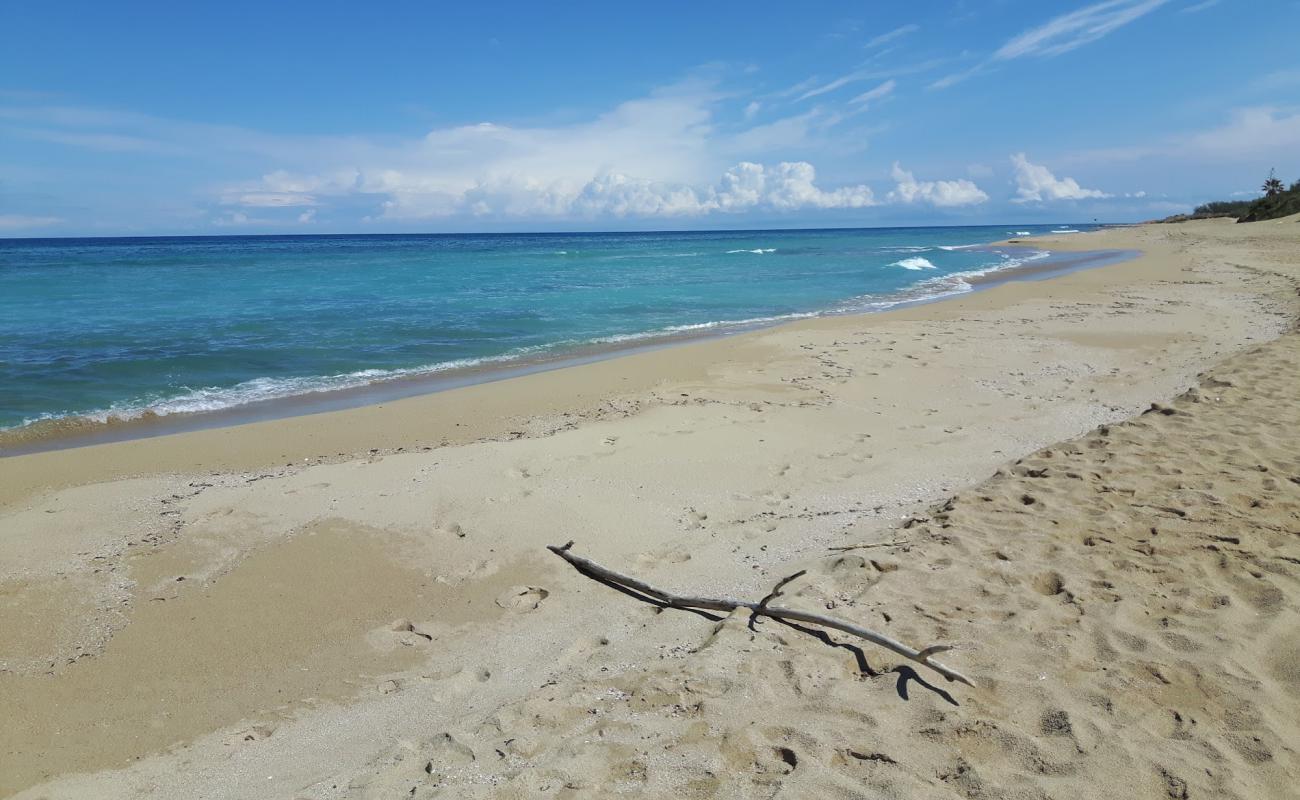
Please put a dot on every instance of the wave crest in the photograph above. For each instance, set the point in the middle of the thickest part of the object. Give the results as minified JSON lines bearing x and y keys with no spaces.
{"x":914,"y":263}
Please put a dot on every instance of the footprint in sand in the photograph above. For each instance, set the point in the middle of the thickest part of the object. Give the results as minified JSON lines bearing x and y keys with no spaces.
{"x":695,"y":519}
{"x":447,"y":750}
{"x":458,"y":681}
{"x":255,"y":733}
{"x":653,"y":558}
{"x":453,"y":529}
{"x":522,"y":598}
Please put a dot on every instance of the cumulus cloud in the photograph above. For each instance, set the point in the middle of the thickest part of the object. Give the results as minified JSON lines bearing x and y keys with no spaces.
{"x":670,"y":153}
{"x":657,"y":156}
{"x":1035,"y":183}
{"x":942,"y":194}
{"x":790,"y":186}
{"x":784,"y":187}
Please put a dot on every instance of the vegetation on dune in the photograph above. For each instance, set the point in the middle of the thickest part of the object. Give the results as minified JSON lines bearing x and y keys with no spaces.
{"x":1279,"y":200}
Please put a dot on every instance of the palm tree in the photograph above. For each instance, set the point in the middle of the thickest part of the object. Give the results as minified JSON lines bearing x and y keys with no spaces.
{"x":1273,"y":186}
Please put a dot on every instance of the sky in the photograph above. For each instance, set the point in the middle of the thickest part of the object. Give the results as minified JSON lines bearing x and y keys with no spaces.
{"x":153,"y":118}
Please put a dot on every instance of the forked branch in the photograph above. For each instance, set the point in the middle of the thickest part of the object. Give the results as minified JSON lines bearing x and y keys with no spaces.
{"x":761,"y":608}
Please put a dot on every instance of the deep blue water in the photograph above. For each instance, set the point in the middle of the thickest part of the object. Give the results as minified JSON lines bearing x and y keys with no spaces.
{"x":112,"y":327}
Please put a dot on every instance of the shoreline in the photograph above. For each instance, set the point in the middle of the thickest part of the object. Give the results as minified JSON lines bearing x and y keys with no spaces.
{"x":75,"y":431}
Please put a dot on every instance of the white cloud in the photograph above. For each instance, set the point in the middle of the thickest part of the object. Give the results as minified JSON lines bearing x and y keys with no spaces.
{"x":1252,"y":135}
{"x":752,"y":109}
{"x":896,"y":33}
{"x":1070,"y":31}
{"x":864,"y":75}
{"x":1061,"y":34}
{"x":657,"y":156}
{"x":14,"y":222}
{"x":943,"y":194}
{"x":788,"y":186}
{"x":1035,"y":183}
{"x":1251,"y":131}
{"x":780,"y":134}
{"x":879,"y":93}
{"x":1198,"y":7}
{"x":956,"y":77}
{"x":843,"y":80}
{"x":271,"y":200}
{"x":668,"y":154}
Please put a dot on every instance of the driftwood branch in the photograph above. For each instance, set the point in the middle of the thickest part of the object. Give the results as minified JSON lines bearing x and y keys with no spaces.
{"x":845,"y":547}
{"x":761,"y":608}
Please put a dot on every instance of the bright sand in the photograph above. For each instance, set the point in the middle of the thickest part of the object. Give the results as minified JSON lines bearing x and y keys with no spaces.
{"x":359,"y":604}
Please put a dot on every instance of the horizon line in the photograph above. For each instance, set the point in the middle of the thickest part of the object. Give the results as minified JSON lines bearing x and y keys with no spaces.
{"x":547,"y":233}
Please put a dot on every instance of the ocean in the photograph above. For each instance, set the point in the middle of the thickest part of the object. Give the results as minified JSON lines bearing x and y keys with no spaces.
{"x":115,"y":329}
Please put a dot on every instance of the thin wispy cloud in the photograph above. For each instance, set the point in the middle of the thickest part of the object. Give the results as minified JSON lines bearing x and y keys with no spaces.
{"x":1197,"y":7}
{"x":874,"y":73}
{"x":1261,"y":135}
{"x":21,"y":222}
{"x":1061,"y":34}
{"x":798,"y":88}
{"x":896,"y":33}
{"x":1071,"y":31}
{"x":874,"y":95}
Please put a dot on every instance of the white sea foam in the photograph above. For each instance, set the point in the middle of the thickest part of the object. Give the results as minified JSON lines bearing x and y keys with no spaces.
{"x":218,"y":398}
{"x":1019,"y":233}
{"x":649,"y":255}
{"x":938,"y":287}
{"x":958,"y":246}
{"x":758,"y":251}
{"x":915,"y":263}
{"x":703,"y":326}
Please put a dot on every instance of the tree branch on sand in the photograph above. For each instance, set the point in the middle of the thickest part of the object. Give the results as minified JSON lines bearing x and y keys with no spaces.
{"x":761,"y":608}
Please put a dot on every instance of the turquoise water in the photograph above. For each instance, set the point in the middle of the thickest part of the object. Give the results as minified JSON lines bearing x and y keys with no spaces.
{"x":112,"y":328}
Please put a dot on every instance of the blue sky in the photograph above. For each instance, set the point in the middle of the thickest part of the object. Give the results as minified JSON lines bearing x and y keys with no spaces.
{"x":140,"y":118}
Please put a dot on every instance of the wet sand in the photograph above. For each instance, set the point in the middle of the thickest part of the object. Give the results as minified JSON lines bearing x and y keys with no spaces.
{"x":367,"y":608}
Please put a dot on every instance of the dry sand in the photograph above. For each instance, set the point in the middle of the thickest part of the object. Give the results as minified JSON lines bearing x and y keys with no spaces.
{"x":359,"y":604}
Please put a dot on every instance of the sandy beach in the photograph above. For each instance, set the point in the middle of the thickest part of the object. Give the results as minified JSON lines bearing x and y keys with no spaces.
{"x":1087,"y":484}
